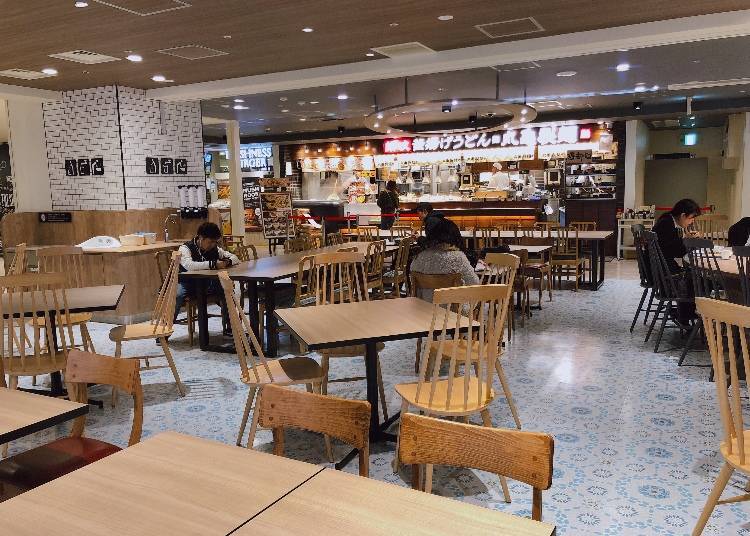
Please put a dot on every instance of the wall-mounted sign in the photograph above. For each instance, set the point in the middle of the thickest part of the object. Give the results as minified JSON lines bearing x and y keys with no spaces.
{"x":256,"y":157}
{"x":7,"y":202}
{"x":579,"y":157}
{"x":351,"y":163}
{"x":84,"y":167}
{"x":276,"y":211}
{"x":397,"y":145}
{"x":251,"y":203}
{"x":152,"y":166}
{"x":55,"y":217}
{"x":97,"y":166}
{"x":166,"y":166}
{"x":180,"y":166}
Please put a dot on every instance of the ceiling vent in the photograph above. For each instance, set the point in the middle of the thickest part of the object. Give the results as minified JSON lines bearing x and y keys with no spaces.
{"x":508,"y":28}
{"x":523,"y":66}
{"x":23,"y":74}
{"x":192,"y":52}
{"x":403,"y":50}
{"x":84,"y":56}
{"x":136,"y":7}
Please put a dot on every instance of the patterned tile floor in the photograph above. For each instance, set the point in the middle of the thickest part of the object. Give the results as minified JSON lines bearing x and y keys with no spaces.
{"x":636,"y":437}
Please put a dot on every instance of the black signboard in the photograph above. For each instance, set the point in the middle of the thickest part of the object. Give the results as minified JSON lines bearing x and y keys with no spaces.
{"x":251,"y":202}
{"x":55,"y":217}
{"x":276,"y":210}
{"x":84,"y":167}
{"x":71,"y":167}
{"x":152,"y":166}
{"x":180,"y":166}
{"x":97,"y":166}
{"x":167,"y":166}
{"x":6,"y":181}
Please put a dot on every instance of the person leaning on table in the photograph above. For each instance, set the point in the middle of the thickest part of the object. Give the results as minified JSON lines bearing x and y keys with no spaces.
{"x":204,"y":253}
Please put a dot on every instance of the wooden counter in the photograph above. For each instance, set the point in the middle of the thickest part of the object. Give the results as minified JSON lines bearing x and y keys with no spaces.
{"x":468,"y":214}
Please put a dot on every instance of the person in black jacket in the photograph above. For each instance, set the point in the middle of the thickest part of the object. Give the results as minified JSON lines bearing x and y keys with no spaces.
{"x":667,"y":229}
{"x":739,"y":233}
{"x":388,"y":203}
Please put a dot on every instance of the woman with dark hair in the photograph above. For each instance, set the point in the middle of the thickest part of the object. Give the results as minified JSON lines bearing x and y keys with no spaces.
{"x":668,"y":227}
{"x":388,"y":203}
{"x":442,"y":254}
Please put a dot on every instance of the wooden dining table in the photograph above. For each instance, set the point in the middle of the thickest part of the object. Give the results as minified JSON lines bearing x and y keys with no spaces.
{"x":363,"y":323}
{"x":178,"y":485}
{"x":266,"y":271}
{"x":22,"y":414}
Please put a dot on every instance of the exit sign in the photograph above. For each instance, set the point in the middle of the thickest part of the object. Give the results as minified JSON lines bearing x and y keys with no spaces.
{"x":690,"y":138}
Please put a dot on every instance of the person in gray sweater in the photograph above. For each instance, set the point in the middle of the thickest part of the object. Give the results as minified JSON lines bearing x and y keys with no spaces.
{"x":442,"y":254}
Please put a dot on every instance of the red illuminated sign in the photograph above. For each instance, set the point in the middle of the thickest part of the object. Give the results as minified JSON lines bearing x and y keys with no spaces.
{"x":397,"y":145}
{"x":584,"y":133}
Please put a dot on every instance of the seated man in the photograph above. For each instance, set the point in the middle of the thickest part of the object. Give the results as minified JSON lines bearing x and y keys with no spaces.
{"x":739,"y":233}
{"x":203,"y":253}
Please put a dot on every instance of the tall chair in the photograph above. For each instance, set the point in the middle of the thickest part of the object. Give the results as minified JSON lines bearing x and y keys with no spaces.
{"x":539,"y":268}
{"x":465,"y":388}
{"x":401,"y":231}
{"x":488,"y":237}
{"x":501,"y":269}
{"x":644,"y":272}
{"x":583,"y":225}
{"x":69,"y":261}
{"x":334,"y":239}
{"x":367,"y":233}
{"x":18,"y":264}
{"x":706,"y":277}
{"x":340,"y":278}
{"x":374,"y":262}
{"x":397,"y":277}
{"x":42,"y":464}
{"x":566,"y":258}
{"x":727,"y":326}
{"x":523,"y":456}
{"x":742,"y":255}
{"x":295,"y":245}
{"x":421,"y":284}
{"x":160,"y":327}
{"x":257,"y":372}
{"x":546,"y":226}
{"x":347,"y":420}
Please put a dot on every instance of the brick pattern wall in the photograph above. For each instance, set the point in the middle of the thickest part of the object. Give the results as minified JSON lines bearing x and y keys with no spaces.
{"x":84,"y":125}
{"x":89,"y":123}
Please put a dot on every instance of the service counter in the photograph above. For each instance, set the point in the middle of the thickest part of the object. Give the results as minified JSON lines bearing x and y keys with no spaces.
{"x":484,"y":213}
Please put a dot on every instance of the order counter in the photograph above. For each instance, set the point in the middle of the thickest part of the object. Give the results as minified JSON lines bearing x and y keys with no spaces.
{"x":479,"y":213}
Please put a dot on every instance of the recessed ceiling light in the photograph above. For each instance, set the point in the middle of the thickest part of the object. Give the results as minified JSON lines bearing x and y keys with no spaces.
{"x":567,"y":73}
{"x":81,"y":4}
{"x":370,"y":54}
{"x":227,"y":36}
{"x":134,"y":58}
{"x":622,"y":49}
{"x":445,"y":17}
{"x":376,"y":125}
{"x":454,"y":102}
{"x":623,"y":67}
{"x":640,"y":88}
{"x":239,"y":107}
{"x":524,"y":111}
{"x":284,"y":110}
{"x":380,"y":116}
{"x":393,"y":24}
{"x":302,"y":119}
{"x":342,"y":96}
{"x":307,"y":30}
{"x":441,"y":89}
{"x":159,"y":78}
{"x":314,"y":102}
{"x":50,"y":71}
{"x":225,"y":106}
{"x":696,"y":61}
{"x":283,"y":99}
{"x":239,"y":100}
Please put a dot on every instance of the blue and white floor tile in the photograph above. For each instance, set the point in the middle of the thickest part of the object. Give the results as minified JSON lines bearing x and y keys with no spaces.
{"x":636,"y":437}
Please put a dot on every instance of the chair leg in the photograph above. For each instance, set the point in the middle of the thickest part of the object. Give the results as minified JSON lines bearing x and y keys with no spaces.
{"x":317,"y":388}
{"x":418,"y":355}
{"x":649,"y":306}
{"x":663,"y":325}
{"x":13,"y":384}
{"x":713,"y":498}
{"x":689,"y":342}
{"x":324,"y":364}
{"x":383,"y":401}
{"x":261,"y":323}
{"x":638,"y":311}
{"x":506,"y":390}
{"x":487,"y":421}
{"x":191,"y":323}
{"x":168,"y":355}
{"x":254,"y":424}
{"x":118,"y":353}
{"x":428,"y":467}
{"x":659,"y":307}
{"x":549,"y":283}
{"x":246,"y":414}
{"x":396,"y":460}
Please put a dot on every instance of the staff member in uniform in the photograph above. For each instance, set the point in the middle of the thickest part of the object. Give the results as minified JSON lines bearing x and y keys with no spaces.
{"x":388,"y":203}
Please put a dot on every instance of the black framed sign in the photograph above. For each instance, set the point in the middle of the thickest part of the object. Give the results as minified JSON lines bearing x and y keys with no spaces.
{"x":84,"y":167}
{"x":180,"y":166}
{"x":152,"y":166}
{"x":71,"y":167}
{"x":55,"y":217}
{"x":167,"y":166}
{"x":97,"y":166}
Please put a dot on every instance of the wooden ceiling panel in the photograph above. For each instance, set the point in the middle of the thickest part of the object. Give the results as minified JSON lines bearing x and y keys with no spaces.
{"x":266,"y":36}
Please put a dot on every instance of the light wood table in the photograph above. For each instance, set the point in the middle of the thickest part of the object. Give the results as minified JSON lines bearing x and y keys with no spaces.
{"x":267,"y":271}
{"x":168,"y":485}
{"x":333,"y":502}
{"x":533,"y":250}
{"x":363,"y":323}
{"x":22,"y":413}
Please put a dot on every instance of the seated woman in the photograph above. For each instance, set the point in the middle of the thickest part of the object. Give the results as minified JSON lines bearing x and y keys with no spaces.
{"x":667,"y":229}
{"x":442,"y":254}
{"x":739,"y":233}
{"x":203,"y":253}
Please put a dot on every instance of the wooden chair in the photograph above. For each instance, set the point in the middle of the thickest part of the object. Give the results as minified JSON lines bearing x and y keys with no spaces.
{"x":258,"y":372}
{"x":522,"y":288}
{"x":466,"y":388}
{"x":334,"y":239}
{"x":742,"y":255}
{"x":523,"y":456}
{"x":644,"y":272}
{"x":529,"y":232}
{"x":340,"y":278}
{"x":163,"y":259}
{"x":501,"y":269}
{"x":583,"y":225}
{"x":367,"y":233}
{"x":566,"y":258}
{"x":18,"y":264}
{"x":489,"y":237}
{"x":347,"y":420}
{"x":40,"y":465}
{"x":396,"y":277}
{"x":69,"y":261}
{"x":160,"y":327}
{"x":295,"y":245}
{"x":546,"y":227}
{"x":374,"y":262}
{"x":507,"y":225}
{"x":727,"y":326}
{"x":401,"y":231}
{"x":421,"y":282}
{"x":539,"y":268}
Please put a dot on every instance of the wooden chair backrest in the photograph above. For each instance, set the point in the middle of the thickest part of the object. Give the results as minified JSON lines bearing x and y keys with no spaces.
{"x":492,"y":302}
{"x":347,"y":420}
{"x":714,"y":227}
{"x":402,"y":254}
{"x":232,"y":241}
{"x":163,"y":315}
{"x":295,"y":245}
{"x":30,"y":349}
{"x":664,"y":284}
{"x":523,"y":456}
{"x":707,"y":278}
{"x":728,"y":323}
{"x":546,"y":225}
{"x":18,"y":264}
{"x":304,"y":282}
{"x":334,"y":239}
{"x":84,"y":368}
{"x":375,"y":259}
{"x":421,"y":282}
{"x":507,"y":225}
{"x":64,"y":259}
{"x":583,"y":225}
{"x":500,"y":268}
{"x":162,"y":259}
{"x":742,"y":255}
{"x":365,"y":233}
{"x":567,"y":241}
{"x":401,"y":231}
{"x":644,"y":270}
{"x":489,"y":237}
{"x":249,"y":351}
{"x":339,"y":277}
{"x":521,"y":232}
{"x":246,"y":252}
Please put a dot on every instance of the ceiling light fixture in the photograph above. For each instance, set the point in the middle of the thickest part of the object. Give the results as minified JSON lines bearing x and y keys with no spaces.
{"x":342,"y":96}
{"x":454,"y":102}
{"x":227,"y":36}
{"x":623,"y":67}
{"x":284,"y":110}
{"x":565,"y":74}
{"x":393,"y":24}
{"x":376,"y":125}
{"x":302,"y":119}
{"x":159,"y":78}
{"x":135,"y":58}
{"x":370,"y":54}
{"x":640,"y":88}
{"x":49,"y":71}
{"x":81,"y":4}
{"x":240,"y":107}
{"x":307,"y":30}
{"x":239,"y":100}
{"x":445,"y":17}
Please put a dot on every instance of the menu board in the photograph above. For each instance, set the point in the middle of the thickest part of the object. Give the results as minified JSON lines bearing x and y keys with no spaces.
{"x":251,"y":203}
{"x":276,"y":212}
{"x":6,"y":181}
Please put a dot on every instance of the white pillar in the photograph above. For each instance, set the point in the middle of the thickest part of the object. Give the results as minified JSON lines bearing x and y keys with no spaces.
{"x":277,"y":171}
{"x":743,"y":177}
{"x":235,"y":178}
{"x":636,"y":151}
{"x":737,"y":159}
{"x":28,"y":155}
